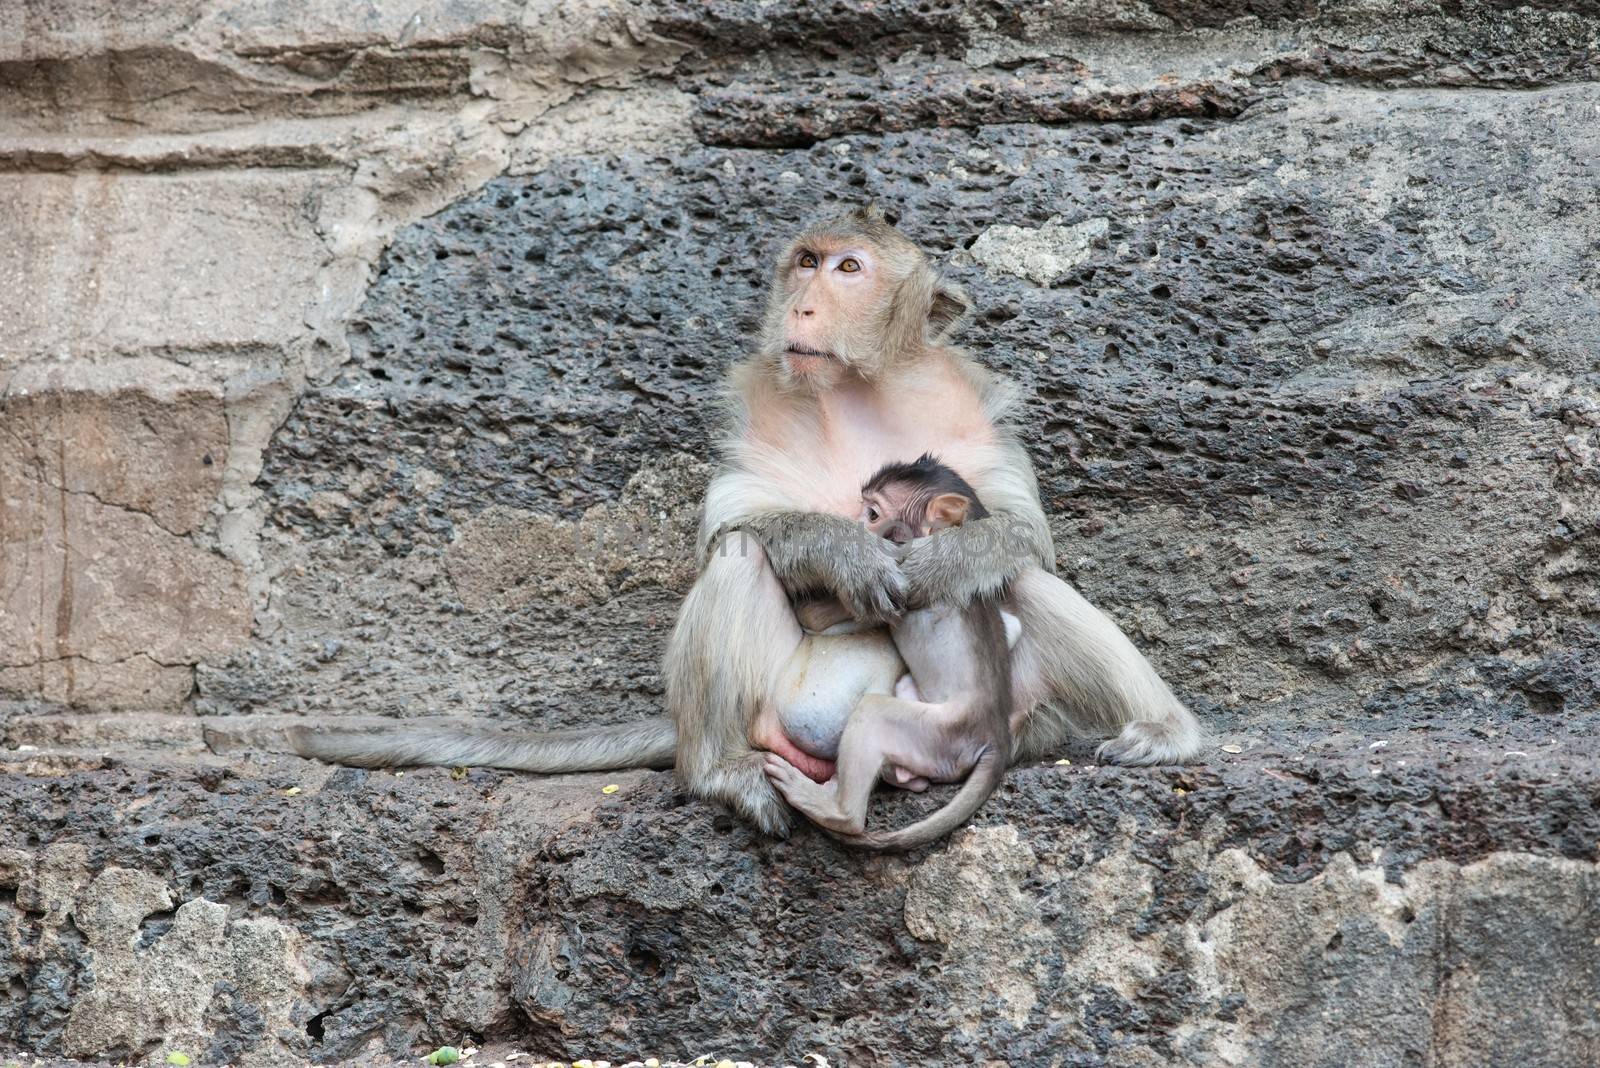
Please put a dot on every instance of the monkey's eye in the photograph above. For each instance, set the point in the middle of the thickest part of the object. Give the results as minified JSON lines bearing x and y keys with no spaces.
{"x":808,"y":261}
{"x":872,"y":514}
{"x":850,"y":265}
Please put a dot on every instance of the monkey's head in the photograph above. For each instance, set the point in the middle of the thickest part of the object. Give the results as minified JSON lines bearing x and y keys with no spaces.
{"x":853,"y":295}
{"x":903,"y":502}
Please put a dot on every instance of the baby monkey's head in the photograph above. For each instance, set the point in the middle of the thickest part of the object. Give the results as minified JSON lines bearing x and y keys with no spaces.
{"x":906,"y":501}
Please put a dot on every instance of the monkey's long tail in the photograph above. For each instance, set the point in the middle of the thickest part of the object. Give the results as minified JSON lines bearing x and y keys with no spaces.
{"x":986,"y":776}
{"x":647,"y":744}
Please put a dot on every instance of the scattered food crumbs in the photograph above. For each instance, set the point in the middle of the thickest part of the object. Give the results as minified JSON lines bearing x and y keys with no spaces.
{"x":1232,"y":749}
{"x":178,"y":1059}
{"x":1063,"y":762}
{"x":516,"y":1056}
{"x":444,"y":1055}
{"x":651,"y":1062}
{"x":291,"y":791}
{"x":724,"y":1064}
{"x":610,"y":788}
{"x":1180,"y":791}
{"x":458,"y":773}
{"x":1380,"y":744}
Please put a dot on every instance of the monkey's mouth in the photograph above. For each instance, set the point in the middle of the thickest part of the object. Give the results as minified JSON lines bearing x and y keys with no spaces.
{"x":806,"y":350}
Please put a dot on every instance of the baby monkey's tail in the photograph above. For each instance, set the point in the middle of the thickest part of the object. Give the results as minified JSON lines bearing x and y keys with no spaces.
{"x":647,"y":744}
{"x":986,"y":776}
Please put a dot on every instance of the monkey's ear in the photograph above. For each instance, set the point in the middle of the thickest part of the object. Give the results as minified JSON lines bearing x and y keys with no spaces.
{"x":947,"y":510}
{"x":950,"y":306}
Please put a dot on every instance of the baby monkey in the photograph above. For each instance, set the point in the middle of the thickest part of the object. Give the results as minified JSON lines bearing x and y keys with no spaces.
{"x":950,"y":716}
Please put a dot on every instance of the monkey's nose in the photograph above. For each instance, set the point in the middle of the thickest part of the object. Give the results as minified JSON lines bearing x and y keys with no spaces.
{"x":805,"y":313}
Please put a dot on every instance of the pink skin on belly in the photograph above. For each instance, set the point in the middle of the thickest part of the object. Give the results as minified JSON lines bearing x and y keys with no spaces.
{"x":813,"y":768}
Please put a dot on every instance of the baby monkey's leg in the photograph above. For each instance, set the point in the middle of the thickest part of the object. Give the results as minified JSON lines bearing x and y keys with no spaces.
{"x":894,"y":775}
{"x":817,"y":616}
{"x":881,"y":729}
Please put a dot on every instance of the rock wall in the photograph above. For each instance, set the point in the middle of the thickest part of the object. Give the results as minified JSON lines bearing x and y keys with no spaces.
{"x":1278,"y":908}
{"x":355,"y":363}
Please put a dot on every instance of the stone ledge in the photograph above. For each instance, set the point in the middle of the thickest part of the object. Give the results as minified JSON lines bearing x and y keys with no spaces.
{"x":1289,"y":904}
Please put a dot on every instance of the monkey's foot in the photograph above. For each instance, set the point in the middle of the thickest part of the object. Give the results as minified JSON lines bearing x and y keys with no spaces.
{"x":903,"y":779}
{"x":1170,"y":741}
{"x":819,"y":801}
{"x":906,"y":689}
{"x":742,"y":785}
{"x":768,"y":812}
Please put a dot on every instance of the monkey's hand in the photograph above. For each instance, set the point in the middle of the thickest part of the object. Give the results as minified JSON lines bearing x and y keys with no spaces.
{"x":978,"y":558}
{"x":819,"y":550}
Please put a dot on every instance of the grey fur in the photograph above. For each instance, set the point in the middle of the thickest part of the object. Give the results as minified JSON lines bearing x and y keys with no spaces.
{"x":734,"y":631}
{"x":647,"y":744}
{"x":979,"y":558}
{"x":818,"y":550}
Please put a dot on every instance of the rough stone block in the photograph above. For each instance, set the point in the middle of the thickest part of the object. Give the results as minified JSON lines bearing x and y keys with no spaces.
{"x":141,"y":434}
{"x":129,"y":262}
{"x":107,"y":598}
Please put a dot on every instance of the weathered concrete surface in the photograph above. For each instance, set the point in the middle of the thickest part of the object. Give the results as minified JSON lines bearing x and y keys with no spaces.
{"x":1310,"y":901}
{"x":354,"y":359}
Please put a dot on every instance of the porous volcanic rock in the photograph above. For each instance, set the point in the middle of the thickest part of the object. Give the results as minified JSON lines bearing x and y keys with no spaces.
{"x":1310,"y":900}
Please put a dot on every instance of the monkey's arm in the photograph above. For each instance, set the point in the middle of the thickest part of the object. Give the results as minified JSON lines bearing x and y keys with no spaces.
{"x":982,"y":556}
{"x":820,"y":550}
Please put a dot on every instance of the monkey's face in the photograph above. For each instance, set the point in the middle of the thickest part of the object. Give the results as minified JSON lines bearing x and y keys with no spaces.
{"x":829,"y":319}
{"x":901,"y":512}
{"x":853,"y":296}
{"x":885,"y":512}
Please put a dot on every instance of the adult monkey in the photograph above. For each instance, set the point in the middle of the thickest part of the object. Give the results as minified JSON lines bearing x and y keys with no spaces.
{"x":854,"y":371}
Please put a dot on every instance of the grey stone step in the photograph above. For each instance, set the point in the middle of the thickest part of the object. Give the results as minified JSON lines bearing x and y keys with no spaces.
{"x":1430,"y":900}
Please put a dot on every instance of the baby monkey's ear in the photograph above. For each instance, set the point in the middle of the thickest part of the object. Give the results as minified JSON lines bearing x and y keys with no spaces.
{"x":947,"y":510}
